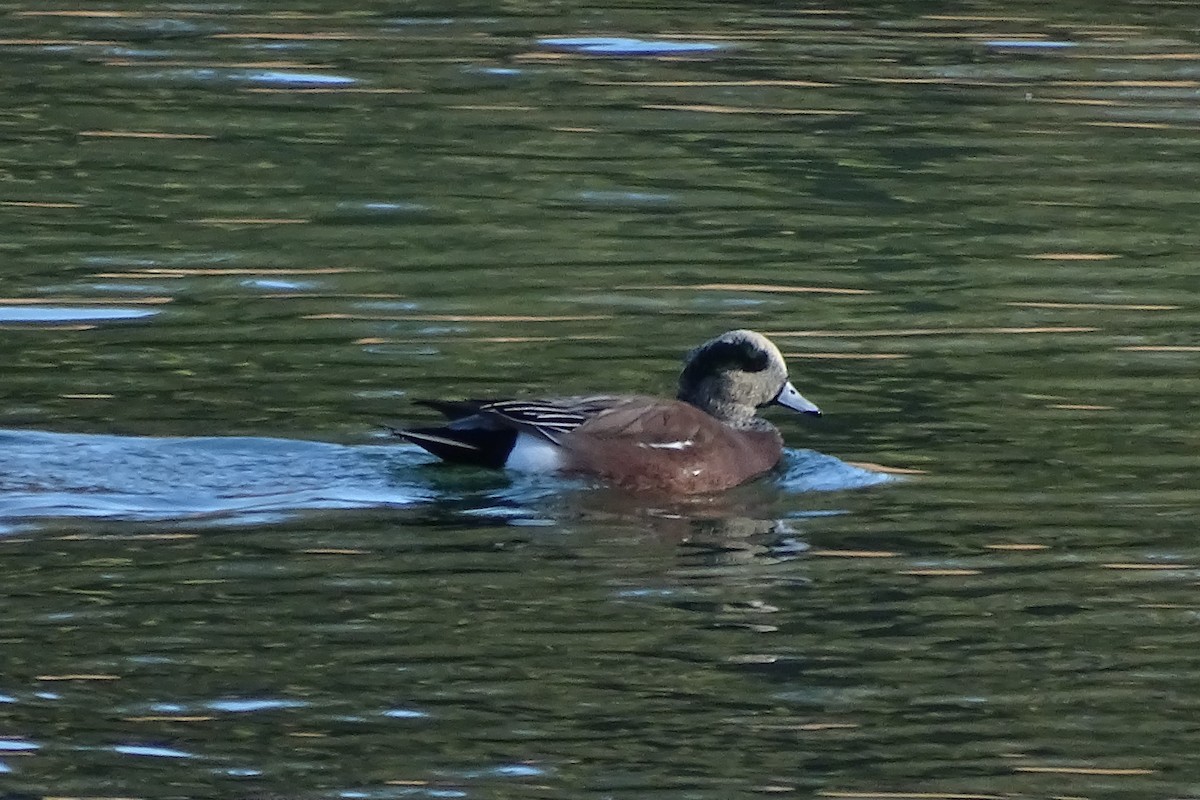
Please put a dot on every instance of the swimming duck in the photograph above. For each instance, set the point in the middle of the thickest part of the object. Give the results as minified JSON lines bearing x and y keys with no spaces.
{"x":708,"y":439}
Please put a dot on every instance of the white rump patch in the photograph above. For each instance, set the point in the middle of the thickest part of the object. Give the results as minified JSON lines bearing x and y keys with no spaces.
{"x":534,"y":454}
{"x":679,"y":445}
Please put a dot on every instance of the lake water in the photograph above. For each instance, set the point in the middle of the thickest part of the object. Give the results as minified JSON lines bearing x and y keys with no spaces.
{"x":237,"y":237}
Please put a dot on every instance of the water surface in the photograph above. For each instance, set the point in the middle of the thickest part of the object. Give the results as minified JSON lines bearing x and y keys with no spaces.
{"x":237,"y":238}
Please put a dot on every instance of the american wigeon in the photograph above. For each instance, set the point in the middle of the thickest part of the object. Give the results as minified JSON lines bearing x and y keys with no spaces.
{"x":708,"y":439}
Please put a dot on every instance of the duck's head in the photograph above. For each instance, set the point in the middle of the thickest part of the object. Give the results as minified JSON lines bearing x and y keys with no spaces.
{"x":738,"y":372}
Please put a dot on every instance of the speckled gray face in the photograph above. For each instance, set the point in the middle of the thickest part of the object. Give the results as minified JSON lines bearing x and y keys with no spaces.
{"x":736,"y":373}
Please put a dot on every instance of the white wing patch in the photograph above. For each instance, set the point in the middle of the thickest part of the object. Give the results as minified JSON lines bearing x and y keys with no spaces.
{"x":677,"y":445}
{"x":534,"y":454}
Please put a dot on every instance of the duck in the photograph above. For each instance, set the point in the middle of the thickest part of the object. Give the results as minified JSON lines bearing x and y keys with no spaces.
{"x":708,"y":439}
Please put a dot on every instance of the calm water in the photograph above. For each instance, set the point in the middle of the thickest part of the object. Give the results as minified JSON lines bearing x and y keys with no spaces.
{"x":237,"y":236}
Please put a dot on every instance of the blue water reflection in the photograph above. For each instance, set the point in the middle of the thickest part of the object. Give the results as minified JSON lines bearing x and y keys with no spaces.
{"x":243,"y":480}
{"x":17,"y":746}
{"x":1035,"y":44}
{"x":240,"y":479}
{"x":62,"y":314}
{"x":810,"y":471}
{"x":285,"y":78}
{"x":405,"y":713}
{"x":151,"y":751}
{"x":625,"y":46}
{"x":245,"y":706}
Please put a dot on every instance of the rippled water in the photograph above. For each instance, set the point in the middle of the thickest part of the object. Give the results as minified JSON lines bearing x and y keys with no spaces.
{"x":236,"y":480}
{"x":238,"y":238}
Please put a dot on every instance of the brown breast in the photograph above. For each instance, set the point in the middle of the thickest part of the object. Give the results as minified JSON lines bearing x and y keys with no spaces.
{"x":666,"y":446}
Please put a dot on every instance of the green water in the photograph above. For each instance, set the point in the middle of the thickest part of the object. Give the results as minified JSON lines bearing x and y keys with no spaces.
{"x":234,"y":238}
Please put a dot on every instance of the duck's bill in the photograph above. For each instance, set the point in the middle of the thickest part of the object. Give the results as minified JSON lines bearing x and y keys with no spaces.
{"x":788,"y":397}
